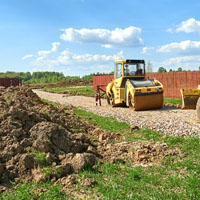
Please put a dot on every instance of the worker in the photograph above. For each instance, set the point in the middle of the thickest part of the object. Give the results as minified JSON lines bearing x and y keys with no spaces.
{"x":139,"y":70}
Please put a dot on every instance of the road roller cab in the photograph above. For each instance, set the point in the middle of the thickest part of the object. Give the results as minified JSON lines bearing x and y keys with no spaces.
{"x":130,"y":87}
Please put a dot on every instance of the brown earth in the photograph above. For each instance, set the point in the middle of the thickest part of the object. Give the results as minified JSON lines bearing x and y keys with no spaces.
{"x":29,"y":126}
{"x":65,"y":83}
{"x":137,"y":153}
{"x":40,"y":142}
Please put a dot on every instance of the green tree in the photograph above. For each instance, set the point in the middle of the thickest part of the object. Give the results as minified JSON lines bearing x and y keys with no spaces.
{"x":180,"y":69}
{"x":170,"y":70}
{"x":162,"y":69}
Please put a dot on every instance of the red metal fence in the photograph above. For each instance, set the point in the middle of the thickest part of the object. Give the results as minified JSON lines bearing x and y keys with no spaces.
{"x":102,"y":80}
{"x":7,"y":82}
{"x":172,"y":81}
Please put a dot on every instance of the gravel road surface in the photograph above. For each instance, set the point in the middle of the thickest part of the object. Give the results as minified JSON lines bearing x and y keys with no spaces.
{"x":171,"y":121}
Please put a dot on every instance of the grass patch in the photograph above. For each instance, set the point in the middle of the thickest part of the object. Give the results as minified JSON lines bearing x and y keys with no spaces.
{"x":174,"y":101}
{"x":111,"y":124}
{"x":7,"y":99}
{"x":115,"y":181}
{"x":50,"y":102}
{"x":41,"y":158}
{"x":49,"y":170}
{"x":85,"y":90}
{"x":105,"y":123}
{"x":36,"y":191}
{"x":144,"y":135}
{"x":177,"y":177}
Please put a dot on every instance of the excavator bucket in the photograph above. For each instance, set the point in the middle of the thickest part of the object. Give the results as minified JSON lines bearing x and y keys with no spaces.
{"x":148,"y":101}
{"x":189,"y":98}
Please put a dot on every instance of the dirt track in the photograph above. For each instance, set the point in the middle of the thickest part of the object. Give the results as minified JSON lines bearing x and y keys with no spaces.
{"x":171,"y":121}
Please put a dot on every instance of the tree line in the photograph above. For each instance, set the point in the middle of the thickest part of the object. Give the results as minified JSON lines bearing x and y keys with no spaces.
{"x":53,"y":77}
{"x":45,"y":77}
{"x":162,"y":69}
{"x":149,"y":69}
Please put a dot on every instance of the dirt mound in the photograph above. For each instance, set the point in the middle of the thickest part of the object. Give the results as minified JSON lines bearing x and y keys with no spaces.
{"x":137,"y":153}
{"x":39,"y":141}
{"x":65,"y":83}
{"x":104,"y":136}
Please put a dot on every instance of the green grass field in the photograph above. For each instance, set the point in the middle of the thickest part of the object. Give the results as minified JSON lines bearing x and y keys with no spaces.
{"x":85,"y":90}
{"x":176,"y":178}
{"x":173,"y":101}
{"x":36,"y":191}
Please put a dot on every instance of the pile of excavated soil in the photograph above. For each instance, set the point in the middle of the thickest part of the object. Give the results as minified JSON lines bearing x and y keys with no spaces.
{"x":39,"y":141}
{"x":146,"y":154}
{"x":65,"y":83}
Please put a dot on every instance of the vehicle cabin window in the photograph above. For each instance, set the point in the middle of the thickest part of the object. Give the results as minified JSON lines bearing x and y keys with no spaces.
{"x":118,"y":70}
{"x":134,"y":69}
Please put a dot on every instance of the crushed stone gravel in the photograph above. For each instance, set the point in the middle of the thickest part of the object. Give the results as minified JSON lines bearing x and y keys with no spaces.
{"x":169,"y":120}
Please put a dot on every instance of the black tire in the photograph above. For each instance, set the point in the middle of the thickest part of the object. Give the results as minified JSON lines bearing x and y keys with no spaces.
{"x":131,"y":103}
{"x":198,"y":109}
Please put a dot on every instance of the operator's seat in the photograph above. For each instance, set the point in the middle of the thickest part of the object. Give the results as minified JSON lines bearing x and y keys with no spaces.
{"x":138,"y":72}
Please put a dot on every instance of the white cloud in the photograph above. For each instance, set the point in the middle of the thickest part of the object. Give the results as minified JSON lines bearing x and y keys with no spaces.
{"x":146,"y":50}
{"x":55,"y":46}
{"x":67,"y":57}
{"x":85,"y":58}
{"x":107,"y":46}
{"x":43,"y":54}
{"x":73,"y":63}
{"x":190,"y":62}
{"x":128,"y":37}
{"x":77,"y":63}
{"x":27,"y":56}
{"x":187,"y":46}
{"x":189,"y":26}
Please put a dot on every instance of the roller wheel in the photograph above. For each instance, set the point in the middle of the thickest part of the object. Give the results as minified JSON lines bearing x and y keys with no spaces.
{"x":198,"y":109}
{"x":131,"y":103}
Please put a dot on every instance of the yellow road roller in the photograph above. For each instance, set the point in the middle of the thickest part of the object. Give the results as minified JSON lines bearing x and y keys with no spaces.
{"x":131,"y":88}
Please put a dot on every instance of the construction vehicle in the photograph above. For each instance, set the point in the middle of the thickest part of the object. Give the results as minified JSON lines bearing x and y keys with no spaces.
{"x":131,"y":88}
{"x":191,"y":99}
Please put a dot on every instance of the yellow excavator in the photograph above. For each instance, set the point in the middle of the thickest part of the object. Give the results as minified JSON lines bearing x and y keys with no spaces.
{"x":131,"y":88}
{"x":191,"y":99}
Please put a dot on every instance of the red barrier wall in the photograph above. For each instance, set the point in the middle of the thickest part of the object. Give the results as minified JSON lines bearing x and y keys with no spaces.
{"x":172,"y":81}
{"x":102,"y":80}
{"x":7,"y":82}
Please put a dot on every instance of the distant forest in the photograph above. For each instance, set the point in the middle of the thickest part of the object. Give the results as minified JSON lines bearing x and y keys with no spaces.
{"x":44,"y":77}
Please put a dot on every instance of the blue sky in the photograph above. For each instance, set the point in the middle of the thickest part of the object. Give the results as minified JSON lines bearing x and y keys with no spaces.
{"x":78,"y":37}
